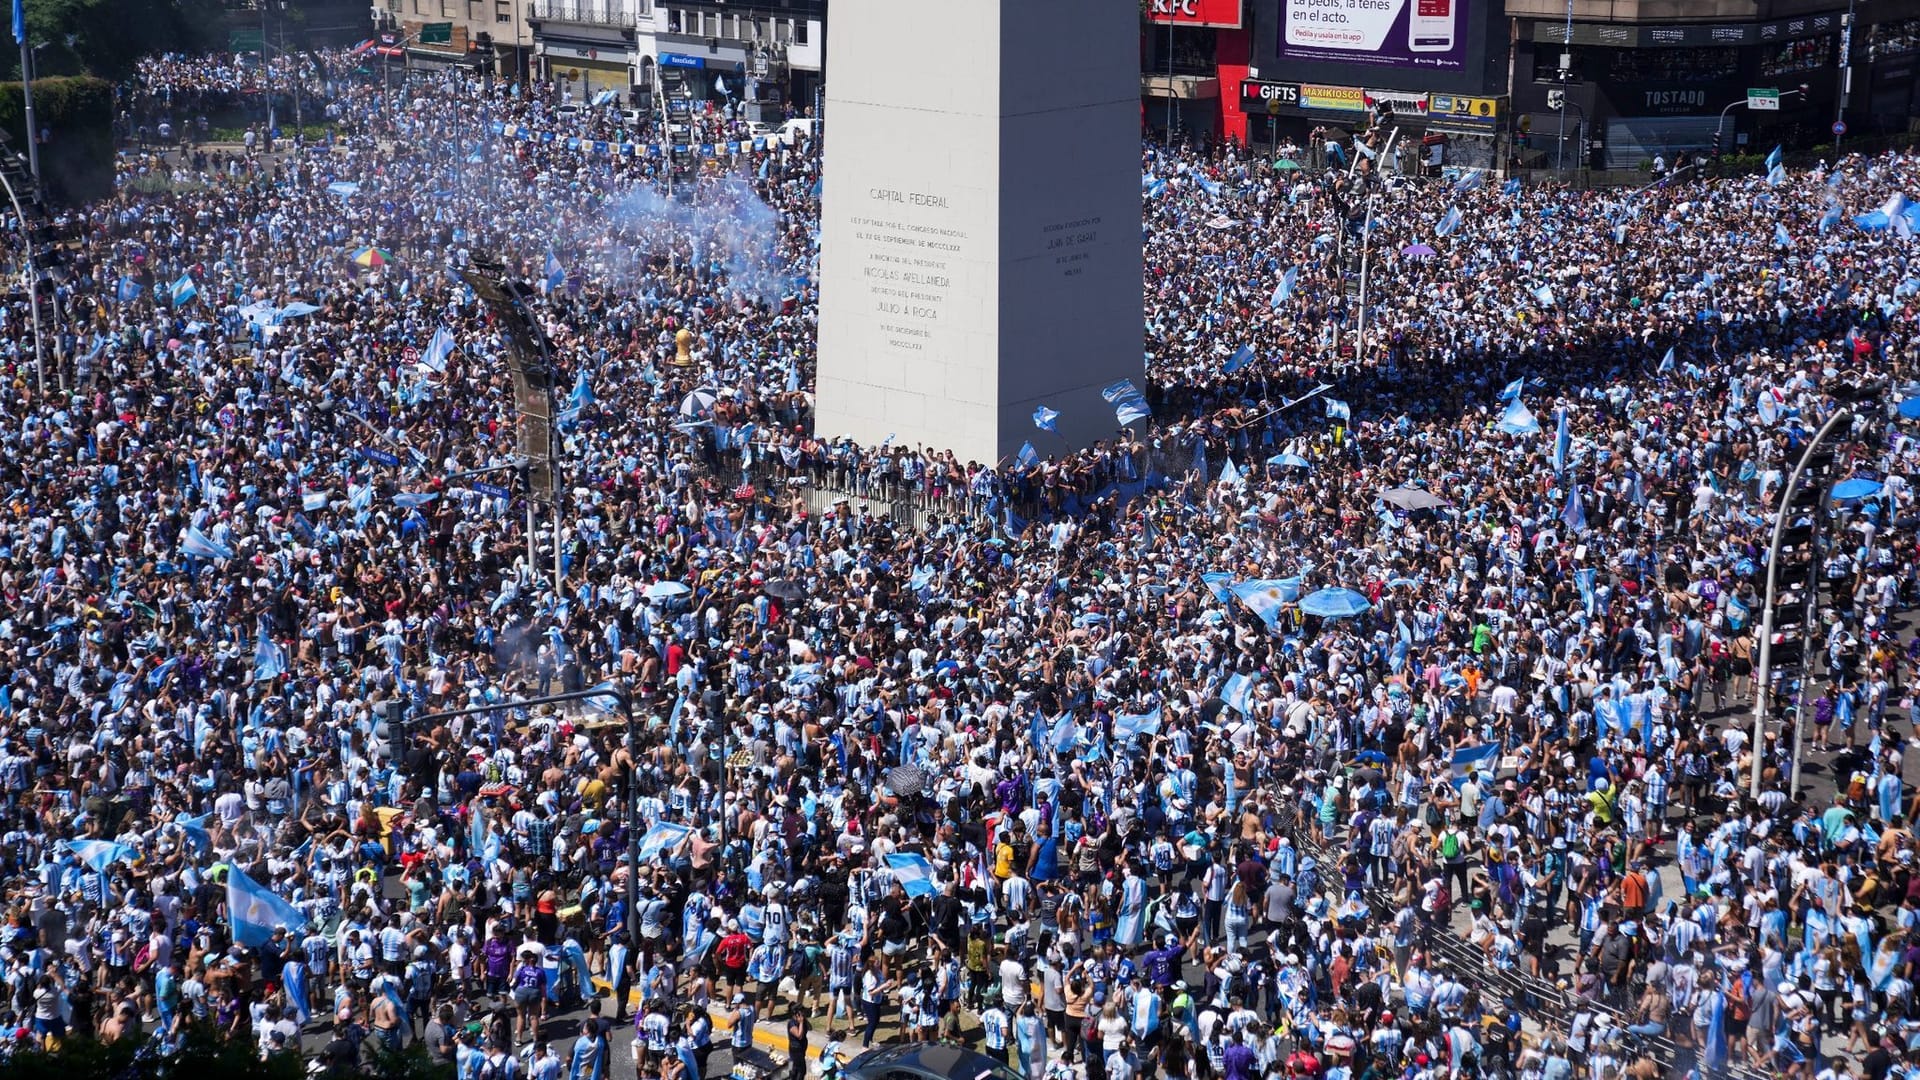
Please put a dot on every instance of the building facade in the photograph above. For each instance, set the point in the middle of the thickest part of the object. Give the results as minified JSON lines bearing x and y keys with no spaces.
{"x":763,"y":58}
{"x":1534,"y":83}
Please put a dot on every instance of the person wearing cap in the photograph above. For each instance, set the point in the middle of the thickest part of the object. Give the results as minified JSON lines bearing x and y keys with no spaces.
{"x":529,"y":984}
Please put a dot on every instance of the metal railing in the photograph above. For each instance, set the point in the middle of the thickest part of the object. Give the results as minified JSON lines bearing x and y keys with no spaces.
{"x":1540,"y":999}
{"x":605,"y":13}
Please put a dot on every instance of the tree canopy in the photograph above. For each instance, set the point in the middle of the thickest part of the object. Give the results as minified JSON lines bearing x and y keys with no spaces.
{"x":106,"y":37}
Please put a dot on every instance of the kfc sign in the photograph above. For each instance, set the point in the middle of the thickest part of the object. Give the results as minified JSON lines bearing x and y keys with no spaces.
{"x":1223,"y":13}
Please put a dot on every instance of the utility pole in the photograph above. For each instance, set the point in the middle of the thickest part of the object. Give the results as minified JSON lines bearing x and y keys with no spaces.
{"x":1845,"y":79}
{"x":26,"y":96}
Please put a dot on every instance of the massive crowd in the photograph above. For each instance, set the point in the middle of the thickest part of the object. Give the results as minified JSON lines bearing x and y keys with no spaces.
{"x":1062,"y":767}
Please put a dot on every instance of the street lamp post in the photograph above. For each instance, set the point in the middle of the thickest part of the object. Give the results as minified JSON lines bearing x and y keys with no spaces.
{"x":33,"y":283}
{"x":624,"y":695}
{"x":1721,"y":124}
{"x":1366,"y":238}
{"x":1764,"y":670}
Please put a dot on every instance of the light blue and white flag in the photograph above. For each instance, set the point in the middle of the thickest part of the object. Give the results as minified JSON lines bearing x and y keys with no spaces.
{"x":1339,"y":410}
{"x":1126,"y":726}
{"x":663,"y":837}
{"x":556,"y":274}
{"x":1773,"y":159}
{"x":1448,"y":222}
{"x":1027,"y":456}
{"x":1237,"y":693}
{"x":183,"y":290}
{"x":1231,"y":476}
{"x":1574,"y":514}
{"x":1519,"y":420}
{"x":1470,"y":759}
{"x":1283,"y":291}
{"x":1267,"y":597}
{"x":439,"y":347}
{"x":914,"y":873}
{"x":1241,"y":358}
{"x":98,"y":855}
{"x":1666,"y":362}
{"x":1514,"y":389}
{"x":269,"y":659}
{"x":201,"y":546}
{"x":1044,"y":418}
{"x":254,"y":912}
{"x":1562,"y":441}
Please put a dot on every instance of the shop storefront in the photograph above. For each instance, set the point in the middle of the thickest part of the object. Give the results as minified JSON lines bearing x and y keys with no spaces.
{"x":587,"y":70}
{"x":1442,"y":131}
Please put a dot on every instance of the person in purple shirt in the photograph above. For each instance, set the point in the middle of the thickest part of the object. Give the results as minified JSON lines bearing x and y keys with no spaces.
{"x":498,"y":954}
{"x":1162,"y":965}
{"x":1241,"y":1062}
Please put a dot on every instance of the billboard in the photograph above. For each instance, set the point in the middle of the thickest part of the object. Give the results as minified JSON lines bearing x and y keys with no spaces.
{"x":1221,"y":13}
{"x":1430,"y":35}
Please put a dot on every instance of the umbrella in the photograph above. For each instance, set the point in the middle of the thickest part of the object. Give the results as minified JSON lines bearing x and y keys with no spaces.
{"x":698,"y":403}
{"x":1335,"y":603}
{"x":1290,"y":461}
{"x":787,"y":589}
{"x":1416,"y":251}
{"x":1856,"y":488}
{"x":372,"y":258}
{"x":1286,"y":164}
{"x":906,"y":780}
{"x":666,"y":590}
{"x":1412,"y":498}
{"x":1910,"y":408}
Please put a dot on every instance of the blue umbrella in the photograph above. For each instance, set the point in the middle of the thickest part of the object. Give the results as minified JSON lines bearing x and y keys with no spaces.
{"x":1335,"y":603}
{"x":1290,"y":461}
{"x":1910,"y":408}
{"x":1856,"y":488}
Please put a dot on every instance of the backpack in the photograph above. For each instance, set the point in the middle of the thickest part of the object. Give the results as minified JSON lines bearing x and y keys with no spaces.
{"x":1450,"y":844}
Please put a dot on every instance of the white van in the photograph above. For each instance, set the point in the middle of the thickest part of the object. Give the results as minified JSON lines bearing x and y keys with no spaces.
{"x":793,"y":131}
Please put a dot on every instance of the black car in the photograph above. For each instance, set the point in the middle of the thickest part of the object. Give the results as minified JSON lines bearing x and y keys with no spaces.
{"x":926,"y":1061}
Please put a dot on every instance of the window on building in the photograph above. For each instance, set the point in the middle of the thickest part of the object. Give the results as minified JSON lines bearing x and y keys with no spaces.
{"x":783,"y":31}
{"x":1894,"y":38}
{"x":1709,"y":64}
{"x":673,"y":20}
{"x":800,"y":31}
{"x":1192,"y":52}
{"x":1797,"y":56}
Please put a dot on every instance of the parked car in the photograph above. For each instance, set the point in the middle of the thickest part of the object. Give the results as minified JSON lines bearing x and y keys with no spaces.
{"x":926,"y":1061}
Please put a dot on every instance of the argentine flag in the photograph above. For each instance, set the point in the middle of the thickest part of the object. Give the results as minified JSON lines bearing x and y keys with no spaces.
{"x":914,"y":873}
{"x":201,"y":546}
{"x":663,"y":837}
{"x":254,"y":912}
{"x":100,"y":854}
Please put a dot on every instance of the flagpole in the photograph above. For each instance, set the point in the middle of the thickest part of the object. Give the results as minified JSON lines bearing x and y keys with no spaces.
{"x":33,"y":286}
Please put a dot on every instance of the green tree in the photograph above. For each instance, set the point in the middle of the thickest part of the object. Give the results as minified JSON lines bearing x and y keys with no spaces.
{"x":106,"y":37}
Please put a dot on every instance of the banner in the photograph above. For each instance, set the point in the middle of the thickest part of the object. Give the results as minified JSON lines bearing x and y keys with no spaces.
{"x":1425,"y":34}
{"x":1333,"y":98}
{"x":1221,"y":13}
